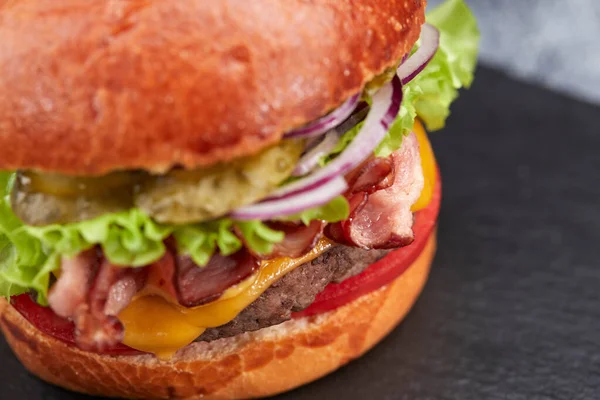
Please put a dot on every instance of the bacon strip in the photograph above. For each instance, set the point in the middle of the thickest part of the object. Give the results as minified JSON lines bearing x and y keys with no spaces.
{"x":112,"y":289}
{"x":70,"y":290}
{"x":161,"y":276}
{"x":385,"y":220}
{"x":91,"y":291}
{"x":373,"y":175}
{"x":381,"y":194}
{"x":177,"y":276}
{"x":120,"y":294}
{"x":299,"y":238}
{"x":201,"y":285}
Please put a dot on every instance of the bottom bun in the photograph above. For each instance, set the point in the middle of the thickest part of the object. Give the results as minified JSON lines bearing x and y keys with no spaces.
{"x":255,"y":364}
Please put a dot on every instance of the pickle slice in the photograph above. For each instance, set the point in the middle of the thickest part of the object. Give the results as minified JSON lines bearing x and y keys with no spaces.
{"x":180,"y":196}
{"x":44,"y":199}
{"x":184,"y":196}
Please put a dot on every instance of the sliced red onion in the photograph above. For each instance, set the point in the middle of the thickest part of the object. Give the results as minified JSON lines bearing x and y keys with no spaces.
{"x":311,"y":158}
{"x":293,"y":205}
{"x":384,"y":109}
{"x":327,"y":122}
{"x":404,"y":58}
{"x":430,"y":41}
{"x":328,"y":182}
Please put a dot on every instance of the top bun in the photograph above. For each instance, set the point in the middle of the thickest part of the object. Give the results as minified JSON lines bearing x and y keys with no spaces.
{"x":88,"y":87}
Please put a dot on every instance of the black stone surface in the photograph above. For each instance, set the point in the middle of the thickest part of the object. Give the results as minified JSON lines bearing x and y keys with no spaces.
{"x":512,"y":308}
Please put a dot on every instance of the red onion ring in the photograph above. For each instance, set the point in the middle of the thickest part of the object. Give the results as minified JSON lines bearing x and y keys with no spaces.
{"x":324,"y":124}
{"x":384,"y":109}
{"x":328,"y":182}
{"x":430,"y":41}
{"x":316,"y":197}
{"x":311,"y":158}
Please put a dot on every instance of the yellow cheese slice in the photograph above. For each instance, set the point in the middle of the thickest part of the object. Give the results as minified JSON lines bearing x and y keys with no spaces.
{"x":155,"y":325}
{"x":429,"y":166}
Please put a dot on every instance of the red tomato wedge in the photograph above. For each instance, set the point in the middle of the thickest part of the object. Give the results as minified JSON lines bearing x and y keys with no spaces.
{"x":335,"y":295}
{"x":383,"y":271}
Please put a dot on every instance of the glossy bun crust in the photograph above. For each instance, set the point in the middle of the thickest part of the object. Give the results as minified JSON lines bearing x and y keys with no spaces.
{"x":257,"y":364}
{"x":92,"y":86}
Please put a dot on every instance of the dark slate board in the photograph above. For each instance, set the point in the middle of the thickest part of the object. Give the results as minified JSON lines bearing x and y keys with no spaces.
{"x":512,"y":308}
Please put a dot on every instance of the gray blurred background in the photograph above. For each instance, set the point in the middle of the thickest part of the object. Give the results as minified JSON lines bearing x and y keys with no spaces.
{"x":555,"y":43}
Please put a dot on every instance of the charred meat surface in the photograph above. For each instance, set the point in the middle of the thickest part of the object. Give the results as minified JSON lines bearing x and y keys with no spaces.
{"x":297,"y":290}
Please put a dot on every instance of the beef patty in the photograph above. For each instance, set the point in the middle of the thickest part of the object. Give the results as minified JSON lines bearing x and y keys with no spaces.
{"x":297,"y":290}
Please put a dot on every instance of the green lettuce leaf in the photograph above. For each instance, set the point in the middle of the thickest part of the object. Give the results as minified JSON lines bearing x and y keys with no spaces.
{"x":459,"y":41}
{"x":127,"y":238}
{"x":259,"y":236}
{"x":430,"y":94}
{"x":23,"y":262}
{"x":200,"y":241}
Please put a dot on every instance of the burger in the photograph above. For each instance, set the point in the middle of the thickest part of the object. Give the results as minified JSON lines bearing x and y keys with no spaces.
{"x":217,"y":199}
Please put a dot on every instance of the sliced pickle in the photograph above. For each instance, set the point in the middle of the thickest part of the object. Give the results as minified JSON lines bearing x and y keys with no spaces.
{"x":180,"y":196}
{"x":43,"y":199}
{"x":62,"y":185}
{"x":192,"y":196}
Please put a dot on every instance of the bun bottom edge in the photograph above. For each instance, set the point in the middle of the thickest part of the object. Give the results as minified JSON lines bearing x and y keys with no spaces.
{"x":255,"y":364}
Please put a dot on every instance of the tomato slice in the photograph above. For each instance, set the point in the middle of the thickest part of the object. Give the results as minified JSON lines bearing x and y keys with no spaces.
{"x":335,"y":295}
{"x":383,"y":271}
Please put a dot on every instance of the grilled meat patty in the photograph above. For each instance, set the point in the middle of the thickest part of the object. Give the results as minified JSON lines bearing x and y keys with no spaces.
{"x":297,"y":290}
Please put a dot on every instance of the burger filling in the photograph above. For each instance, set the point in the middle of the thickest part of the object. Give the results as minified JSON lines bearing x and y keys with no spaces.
{"x":157,"y":262}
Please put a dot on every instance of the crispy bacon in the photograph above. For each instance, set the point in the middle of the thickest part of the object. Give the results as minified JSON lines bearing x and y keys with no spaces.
{"x":381,"y":194}
{"x":112,"y":289}
{"x":338,"y":232}
{"x":375,"y":174}
{"x":161,"y":276}
{"x":91,"y":291}
{"x":179,"y":278}
{"x":201,"y":285}
{"x":121,"y":293}
{"x":96,"y":333}
{"x":385,"y":220}
{"x":106,"y":277}
{"x":70,"y":290}
{"x":299,"y":238}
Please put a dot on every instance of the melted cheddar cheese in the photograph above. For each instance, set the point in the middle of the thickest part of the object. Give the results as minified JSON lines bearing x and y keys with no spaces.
{"x":429,"y":166}
{"x":156,"y":325}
